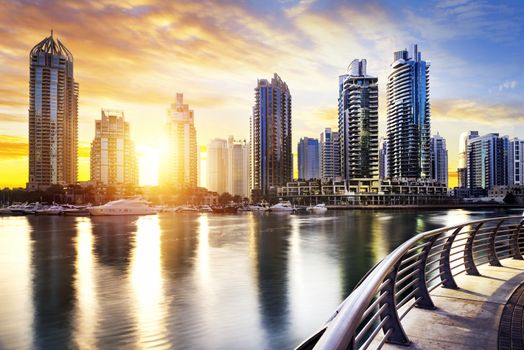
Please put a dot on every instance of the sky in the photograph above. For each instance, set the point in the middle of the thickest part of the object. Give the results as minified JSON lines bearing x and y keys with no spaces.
{"x":136,"y":55}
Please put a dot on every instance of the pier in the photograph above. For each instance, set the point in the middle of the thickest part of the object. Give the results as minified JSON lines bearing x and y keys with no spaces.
{"x":458,"y":287}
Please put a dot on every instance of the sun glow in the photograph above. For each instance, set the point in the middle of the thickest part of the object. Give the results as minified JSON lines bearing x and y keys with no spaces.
{"x":148,"y":164}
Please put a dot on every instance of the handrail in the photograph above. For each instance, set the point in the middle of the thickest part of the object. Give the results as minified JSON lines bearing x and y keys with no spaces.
{"x":367,"y":308}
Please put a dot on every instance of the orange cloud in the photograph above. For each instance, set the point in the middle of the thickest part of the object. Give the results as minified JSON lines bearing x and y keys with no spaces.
{"x":479,"y":112}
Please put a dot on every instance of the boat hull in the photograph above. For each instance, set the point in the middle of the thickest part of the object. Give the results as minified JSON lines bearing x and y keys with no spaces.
{"x":98,"y":211}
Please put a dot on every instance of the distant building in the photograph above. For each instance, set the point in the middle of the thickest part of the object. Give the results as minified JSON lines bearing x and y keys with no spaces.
{"x":53,"y":116}
{"x":516,"y":162}
{"x":179,"y":168}
{"x":271,"y":152}
{"x":383,"y":170}
{"x":329,"y":155}
{"x":217,"y":165}
{"x":462,"y":171}
{"x":308,"y":151}
{"x":488,"y":161}
{"x":113,"y":158}
{"x":408,"y":113}
{"x":238,"y":168}
{"x":358,"y":122}
{"x":439,"y":159}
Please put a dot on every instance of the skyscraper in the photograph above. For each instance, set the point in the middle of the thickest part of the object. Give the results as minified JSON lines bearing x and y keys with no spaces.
{"x":383,"y":150}
{"x":308,"y":159}
{"x":439,"y":159}
{"x":516,"y":162}
{"x":53,"y":115}
{"x":462,"y":171}
{"x":271,"y":155}
{"x":358,"y":122}
{"x":329,"y":154}
{"x":488,"y":161}
{"x":180,"y":165}
{"x":113,"y":157}
{"x":408,"y":115}
{"x":238,"y":167}
{"x":217,"y":165}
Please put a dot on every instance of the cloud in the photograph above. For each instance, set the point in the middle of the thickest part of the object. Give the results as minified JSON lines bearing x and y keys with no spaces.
{"x":508,"y":84}
{"x":13,"y":147}
{"x":477,"y":112}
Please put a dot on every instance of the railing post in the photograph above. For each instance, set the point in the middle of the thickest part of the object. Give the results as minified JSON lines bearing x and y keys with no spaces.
{"x":515,"y":246}
{"x":397,"y":336}
{"x":492,"y":254}
{"x":422,"y":293}
{"x":469,"y":260}
{"x":445,"y":269}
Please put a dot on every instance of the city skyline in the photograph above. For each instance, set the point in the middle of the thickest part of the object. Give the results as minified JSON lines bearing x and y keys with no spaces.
{"x":465,"y":89}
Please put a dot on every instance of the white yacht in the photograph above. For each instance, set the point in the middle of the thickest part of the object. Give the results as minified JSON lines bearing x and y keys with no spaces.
{"x":54,"y":209}
{"x":282,"y":207}
{"x":317,"y":209}
{"x":123,"y":207}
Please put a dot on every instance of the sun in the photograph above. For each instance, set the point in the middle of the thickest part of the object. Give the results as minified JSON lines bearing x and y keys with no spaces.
{"x":148,"y":165}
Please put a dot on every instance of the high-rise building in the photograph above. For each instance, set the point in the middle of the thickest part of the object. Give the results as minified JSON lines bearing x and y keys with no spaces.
{"x":488,"y":161}
{"x":439,"y":159}
{"x":217,"y":165}
{"x":113,"y":157}
{"x":462,"y":171}
{"x":358,"y":122}
{"x":53,"y":116}
{"x":308,"y":151}
{"x":408,"y":115}
{"x":271,"y":152}
{"x":383,"y":158}
{"x":516,"y":162}
{"x":329,"y":154}
{"x":179,"y":168}
{"x":238,"y":168}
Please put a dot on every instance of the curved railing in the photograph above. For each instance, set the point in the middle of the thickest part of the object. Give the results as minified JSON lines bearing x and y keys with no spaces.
{"x":405,"y":278}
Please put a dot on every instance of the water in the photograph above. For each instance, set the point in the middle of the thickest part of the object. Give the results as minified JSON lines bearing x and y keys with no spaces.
{"x":249,"y":281}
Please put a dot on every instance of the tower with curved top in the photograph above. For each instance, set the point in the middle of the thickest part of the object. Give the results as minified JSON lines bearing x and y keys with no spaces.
{"x":53,"y":115}
{"x":408,"y":116}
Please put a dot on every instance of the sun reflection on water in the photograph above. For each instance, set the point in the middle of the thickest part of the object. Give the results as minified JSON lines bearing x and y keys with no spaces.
{"x":147,"y":283}
{"x":85,"y":286}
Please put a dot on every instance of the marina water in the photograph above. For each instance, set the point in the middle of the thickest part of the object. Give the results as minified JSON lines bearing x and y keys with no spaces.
{"x":190,"y":281}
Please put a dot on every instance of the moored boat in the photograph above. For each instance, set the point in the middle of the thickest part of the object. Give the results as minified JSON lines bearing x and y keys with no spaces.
{"x":123,"y":207}
{"x":282,"y":207}
{"x":317,"y":209}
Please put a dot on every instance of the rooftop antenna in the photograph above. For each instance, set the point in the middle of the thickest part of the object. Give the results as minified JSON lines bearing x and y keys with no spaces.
{"x":51,"y":33}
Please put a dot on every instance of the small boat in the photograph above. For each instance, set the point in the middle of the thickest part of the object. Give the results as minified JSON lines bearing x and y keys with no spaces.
{"x":282,"y":207}
{"x":123,"y":207}
{"x":317,"y":209}
{"x":32,"y":208}
{"x":5,"y":211}
{"x":51,"y":210}
{"x":205,"y":209}
{"x":76,"y":211}
{"x":258,"y":207}
{"x":186,"y":209}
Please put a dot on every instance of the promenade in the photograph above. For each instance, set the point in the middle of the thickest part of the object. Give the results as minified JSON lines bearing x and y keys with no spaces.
{"x":469,"y":317}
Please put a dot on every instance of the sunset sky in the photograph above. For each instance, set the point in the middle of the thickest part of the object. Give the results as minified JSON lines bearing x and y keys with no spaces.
{"x":135,"y":56}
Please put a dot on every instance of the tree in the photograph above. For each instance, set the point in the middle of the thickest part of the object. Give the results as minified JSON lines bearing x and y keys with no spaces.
{"x":225,"y":198}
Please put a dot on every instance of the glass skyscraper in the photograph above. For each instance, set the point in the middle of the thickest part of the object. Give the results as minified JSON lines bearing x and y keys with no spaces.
{"x":358,"y":122}
{"x":271,"y":152}
{"x":53,"y":116}
{"x":383,"y":158}
{"x":488,"y":157}
{"x":462,"y":171}
{"x":217,"y":165}
{"x":408,"y":116}
{"x":439,"y":159}
{"x":308,"y":159}
{"x":516,"y":162}
{"x":329,"y":154}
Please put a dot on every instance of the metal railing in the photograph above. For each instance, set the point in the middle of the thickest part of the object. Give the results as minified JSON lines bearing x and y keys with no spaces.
{"x":405,"y":278}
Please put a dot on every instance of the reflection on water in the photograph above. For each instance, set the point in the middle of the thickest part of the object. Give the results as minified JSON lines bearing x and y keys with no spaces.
{"x":189,"y":281}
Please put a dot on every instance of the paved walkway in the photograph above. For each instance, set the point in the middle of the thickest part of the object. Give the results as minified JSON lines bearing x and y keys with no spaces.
{"x":467,"y":318}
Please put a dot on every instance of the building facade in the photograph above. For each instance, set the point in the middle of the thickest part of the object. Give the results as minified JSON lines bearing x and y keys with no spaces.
{"x":217,"y":167}
{"x":271,"y":148}
{"x":408,"y":116}
{"x":113,"y":158}
{"x":383,"y":158}
{"x":516,"y":162}
{"x":439,"y":159}
{"x":180,"y":169}
{"x":462,"y":171}
{"x":329,"y":155}
{"x":238,"y":167}
{"x":488,"y":161}
{"x":358,"y":122}
{"x":308,"y":151}
{"x":53,"y":116}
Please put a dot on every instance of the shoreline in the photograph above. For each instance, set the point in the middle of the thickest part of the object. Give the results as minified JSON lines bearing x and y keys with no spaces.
{"x":427,"y":206}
